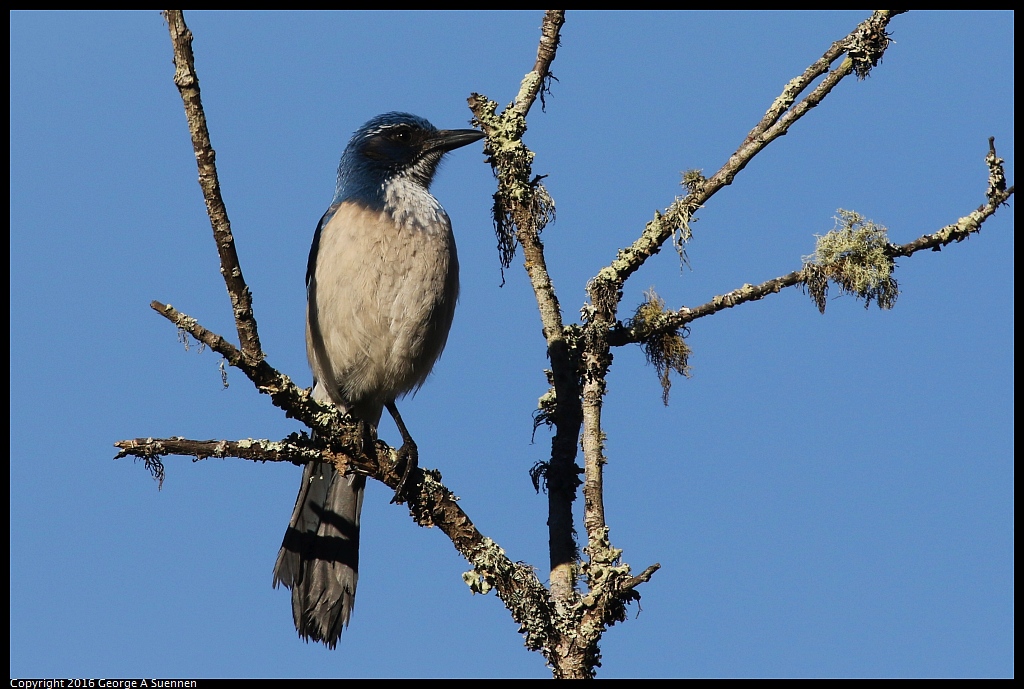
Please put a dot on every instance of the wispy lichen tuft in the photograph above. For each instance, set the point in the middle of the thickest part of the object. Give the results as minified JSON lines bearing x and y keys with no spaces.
{"x":544,"y":415}
{"x":856,"y":256}
{"x":680,"y":213}
{"x":539,"y":476}
{"x":521,"y":202}
{"x":664,"y":347}
{"x":185,"y":339}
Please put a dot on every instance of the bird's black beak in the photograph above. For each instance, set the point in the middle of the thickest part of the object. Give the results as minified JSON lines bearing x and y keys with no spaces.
{"x":450,"y":139}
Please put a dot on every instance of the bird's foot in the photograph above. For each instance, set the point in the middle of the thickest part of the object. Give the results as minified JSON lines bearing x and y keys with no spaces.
{"x":408,"y":455}
{"x":409,"y":459}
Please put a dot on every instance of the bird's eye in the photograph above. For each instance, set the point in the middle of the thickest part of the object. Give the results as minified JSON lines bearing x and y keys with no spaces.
{"x":401,"y":135}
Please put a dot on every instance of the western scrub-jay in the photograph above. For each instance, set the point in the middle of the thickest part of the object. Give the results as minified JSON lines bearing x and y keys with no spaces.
{"x":381,"y":286}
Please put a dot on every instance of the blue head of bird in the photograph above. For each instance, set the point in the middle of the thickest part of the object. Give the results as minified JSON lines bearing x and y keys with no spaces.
{"x":394,"y":147}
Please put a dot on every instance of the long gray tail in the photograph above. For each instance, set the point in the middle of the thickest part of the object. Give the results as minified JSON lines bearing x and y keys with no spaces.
{"x":319,"y":558}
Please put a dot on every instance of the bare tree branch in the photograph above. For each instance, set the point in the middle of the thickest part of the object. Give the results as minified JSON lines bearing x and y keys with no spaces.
{"x":641,"y":578}
{"x":187,"y":81}
{"x":295,"y":401}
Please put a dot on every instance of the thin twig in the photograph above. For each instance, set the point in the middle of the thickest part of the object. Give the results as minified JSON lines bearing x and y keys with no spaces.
{"x":641,"y":578}
{"x":534,"y":83}
{"x":187,"y":81}
{"x":295,"y":401}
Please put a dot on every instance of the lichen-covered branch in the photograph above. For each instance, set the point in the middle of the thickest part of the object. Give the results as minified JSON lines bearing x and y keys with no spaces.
{"x":635,"y":332}
{"x":997,"y":194}
{"x":536,"y":81}
{"x":187,"y":81}
{"x":596,"y":360}
{"x":579,"y":363}
{"x":604,"y":567}
{"x":522,"y":207}
{"x":339,"y":440}
{"x":955,"y":232}
{"x":292,"y":450}
{"x":665,"y":347}
{"x":863,"y":47}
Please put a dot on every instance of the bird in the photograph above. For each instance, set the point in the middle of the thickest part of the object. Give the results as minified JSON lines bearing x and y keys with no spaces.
{"x":382,"y":282}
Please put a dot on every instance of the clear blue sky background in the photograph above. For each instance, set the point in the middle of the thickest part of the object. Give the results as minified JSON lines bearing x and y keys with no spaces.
{"x":827,"y":496}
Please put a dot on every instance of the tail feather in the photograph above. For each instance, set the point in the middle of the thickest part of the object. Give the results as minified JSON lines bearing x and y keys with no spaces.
{"x":319,"y":558}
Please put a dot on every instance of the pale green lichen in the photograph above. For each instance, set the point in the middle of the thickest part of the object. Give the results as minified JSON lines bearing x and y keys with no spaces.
{"x":546,"y":407}
{"x":488,"y":559}
{"x":996,"y":175}
{"x":521,"y":202}
{"x":694,"y":181}
{"x":680,"y":213}
{"x":856,"y":256}
{"x":606,"y":573}
{"x":665,"y":348}
{"x":476,"y":582}
{"x":531,"y":81}
{"x":785,"y":99}
{"x":866,"y":47}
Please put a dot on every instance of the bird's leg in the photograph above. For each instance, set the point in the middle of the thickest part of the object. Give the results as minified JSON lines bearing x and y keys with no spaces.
{"x":408,"y":452}
{"x":369,"y":434}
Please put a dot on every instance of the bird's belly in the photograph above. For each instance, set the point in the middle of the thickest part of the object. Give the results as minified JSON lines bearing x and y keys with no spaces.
{"x":385,"y":297}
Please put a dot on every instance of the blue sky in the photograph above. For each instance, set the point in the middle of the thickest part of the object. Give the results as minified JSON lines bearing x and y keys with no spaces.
{"x":827,"y":496}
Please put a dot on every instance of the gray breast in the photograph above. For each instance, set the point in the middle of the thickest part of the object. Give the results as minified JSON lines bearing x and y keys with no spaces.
{"x":381,"y":299}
